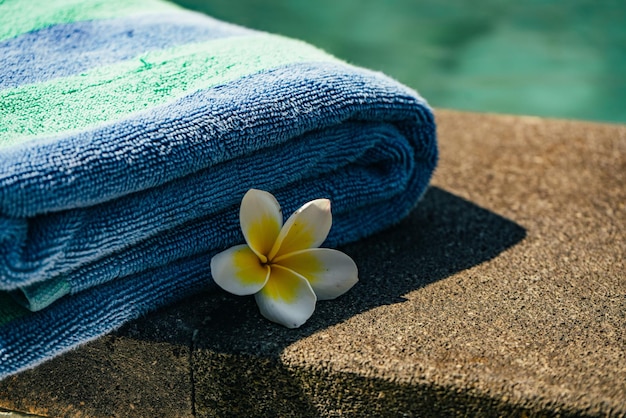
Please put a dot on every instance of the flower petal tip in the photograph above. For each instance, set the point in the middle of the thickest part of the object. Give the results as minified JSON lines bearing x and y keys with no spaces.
{"x":238,"y":271}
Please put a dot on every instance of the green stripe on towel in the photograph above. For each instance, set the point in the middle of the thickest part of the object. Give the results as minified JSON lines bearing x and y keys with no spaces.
{"x":113,"y":92}
{"x":21,"y":16}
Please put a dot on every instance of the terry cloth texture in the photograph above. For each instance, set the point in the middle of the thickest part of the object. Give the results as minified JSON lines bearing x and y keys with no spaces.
{"x":131,"y":129}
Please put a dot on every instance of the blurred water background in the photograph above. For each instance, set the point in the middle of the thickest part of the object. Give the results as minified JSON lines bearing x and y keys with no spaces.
{"x":556,"y":58}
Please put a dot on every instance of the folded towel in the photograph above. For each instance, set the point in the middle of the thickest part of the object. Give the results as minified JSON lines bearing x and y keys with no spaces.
{"x":131,"y":129}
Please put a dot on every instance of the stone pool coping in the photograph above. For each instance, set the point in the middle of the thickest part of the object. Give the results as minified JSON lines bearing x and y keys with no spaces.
{"x":503,"y":293}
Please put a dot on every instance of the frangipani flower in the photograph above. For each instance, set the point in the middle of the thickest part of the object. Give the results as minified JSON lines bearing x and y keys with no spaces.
{"x":282,"y":264}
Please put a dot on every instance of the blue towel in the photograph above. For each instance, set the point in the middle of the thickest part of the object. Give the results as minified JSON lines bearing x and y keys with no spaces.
{"x":131,"y":129}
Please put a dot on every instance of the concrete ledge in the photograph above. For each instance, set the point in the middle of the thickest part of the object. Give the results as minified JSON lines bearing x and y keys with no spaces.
{"x":503,"y":294}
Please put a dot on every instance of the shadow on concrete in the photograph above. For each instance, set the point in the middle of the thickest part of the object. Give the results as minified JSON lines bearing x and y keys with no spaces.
{"x":235,"y":352}
{"x":221,"y":358}
{"x":443,"y":235}
{"x":267,"y":388}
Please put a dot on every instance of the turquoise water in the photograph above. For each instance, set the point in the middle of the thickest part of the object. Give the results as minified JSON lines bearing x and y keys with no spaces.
{"x":564,"y":58}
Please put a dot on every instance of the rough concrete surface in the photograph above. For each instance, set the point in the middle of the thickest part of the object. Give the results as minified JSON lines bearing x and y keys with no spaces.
{"x":502,"y":294}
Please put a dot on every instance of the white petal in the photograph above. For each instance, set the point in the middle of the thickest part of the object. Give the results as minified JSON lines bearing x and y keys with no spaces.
{"x":287,"y":298}
{"x":308,"y":227}
{"x":238,"y":270}
{"x":261,"y":220}
{"x":330,"y":272}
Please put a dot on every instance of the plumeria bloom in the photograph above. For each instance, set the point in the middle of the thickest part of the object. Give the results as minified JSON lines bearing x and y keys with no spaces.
{"x":282,"y":264}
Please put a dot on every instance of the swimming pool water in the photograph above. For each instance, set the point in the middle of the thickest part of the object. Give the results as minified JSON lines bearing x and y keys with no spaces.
{"x":559,"y":58}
